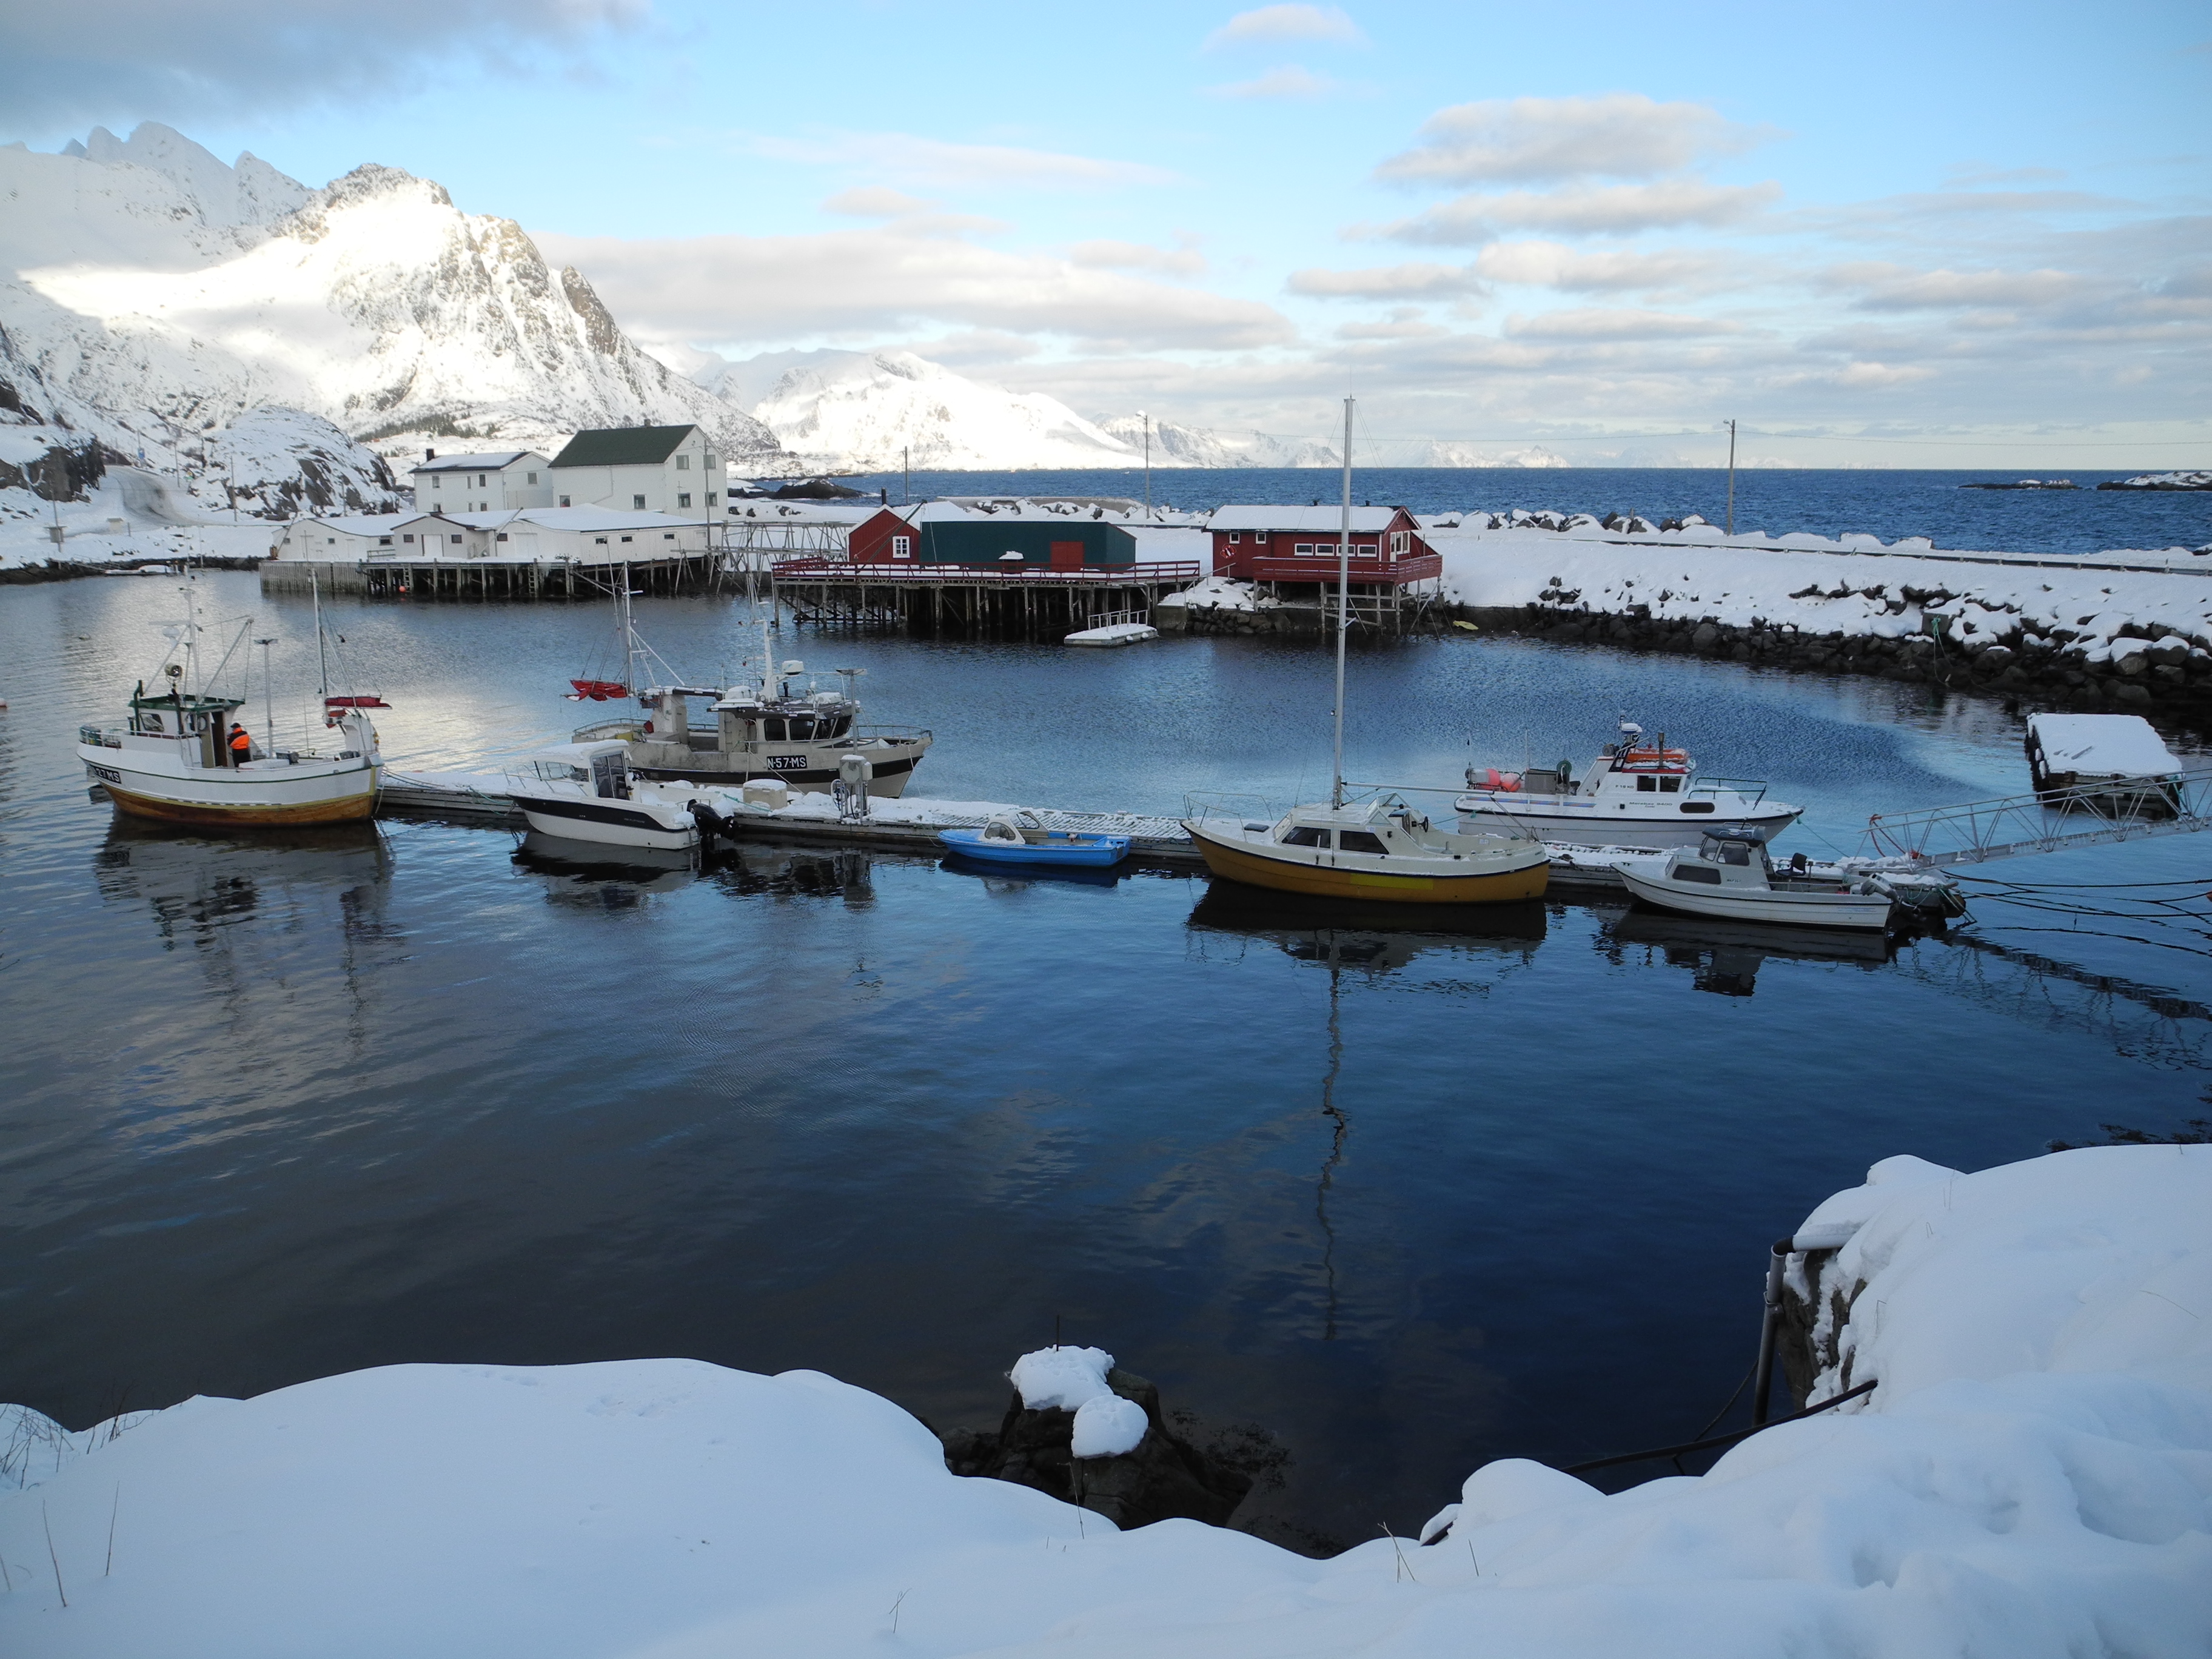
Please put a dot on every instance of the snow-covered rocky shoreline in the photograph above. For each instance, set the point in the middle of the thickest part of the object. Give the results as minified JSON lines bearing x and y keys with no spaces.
{"x":2123,"y":629}
{"x":2032,"y":1476}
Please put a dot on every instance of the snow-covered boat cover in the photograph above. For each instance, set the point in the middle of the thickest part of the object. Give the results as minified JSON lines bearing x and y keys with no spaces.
{"x":2103,"y":745}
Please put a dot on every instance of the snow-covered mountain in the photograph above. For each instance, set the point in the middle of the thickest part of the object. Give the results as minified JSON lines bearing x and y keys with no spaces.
{"x":859,"y":410}
{"x":1175,"y":445}
{"x":149,"y":294}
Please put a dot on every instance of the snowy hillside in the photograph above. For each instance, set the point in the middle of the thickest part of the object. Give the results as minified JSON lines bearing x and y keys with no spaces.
{"x":859,"y":410}
{"x":149,"y":293}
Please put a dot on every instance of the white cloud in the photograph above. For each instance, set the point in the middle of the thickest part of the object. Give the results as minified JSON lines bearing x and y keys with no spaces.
{"x":1553,"y":264}
{"x":1893,"y":288}
{"x":1616,"y":209}
{"x":933,"y":163}
{"x":132,"y":60}
{"x":1385,"y":283}
{"x":1107,"y":255}
{"x":1622,"y":135}
{"x":1598,"y":323}
{"x":867,"y":285}
{"x":876,"y":202}
{"x":1270,"y":24}
{"x":1284,"y":81}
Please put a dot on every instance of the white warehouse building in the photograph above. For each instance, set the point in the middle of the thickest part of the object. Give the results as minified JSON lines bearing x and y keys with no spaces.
{"x":641,"y":469}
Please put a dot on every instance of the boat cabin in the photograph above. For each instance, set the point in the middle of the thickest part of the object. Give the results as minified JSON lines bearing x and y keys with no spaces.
{"x":1378,"y":829}
{"x":603,"y":767}
{"x":202,"y":721}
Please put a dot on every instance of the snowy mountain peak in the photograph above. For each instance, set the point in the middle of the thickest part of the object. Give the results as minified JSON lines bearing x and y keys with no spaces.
{"x":871,"y":411}
{"x":251,"y":193}
{"x":147,"y":289}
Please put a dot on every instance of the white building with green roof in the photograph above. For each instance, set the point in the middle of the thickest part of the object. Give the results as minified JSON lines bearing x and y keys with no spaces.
{"x":642,"y":469}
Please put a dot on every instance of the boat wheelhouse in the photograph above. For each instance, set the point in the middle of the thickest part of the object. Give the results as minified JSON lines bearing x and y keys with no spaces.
{"x":1636,"y":794}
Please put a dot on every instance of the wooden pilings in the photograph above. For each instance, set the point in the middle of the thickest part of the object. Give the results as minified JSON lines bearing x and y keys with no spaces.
{"x":1046,"y":609}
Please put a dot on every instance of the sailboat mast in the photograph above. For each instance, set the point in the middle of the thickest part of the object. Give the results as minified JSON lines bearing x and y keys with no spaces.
{"x":322,"y":652}
{"x":1343,"y":609}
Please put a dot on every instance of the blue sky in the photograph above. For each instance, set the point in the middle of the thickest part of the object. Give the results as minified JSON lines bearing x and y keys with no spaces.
{"x":1981,"y":234}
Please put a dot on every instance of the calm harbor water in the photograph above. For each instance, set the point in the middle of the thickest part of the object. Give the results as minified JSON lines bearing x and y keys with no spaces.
{"x":1825,"y":501}
{"x":283,"y":1106}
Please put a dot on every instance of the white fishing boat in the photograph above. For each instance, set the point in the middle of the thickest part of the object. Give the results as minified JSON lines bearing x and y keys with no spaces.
{"x":1736,"y":878}
{"x":1636,"y":794}
{"x":1379,"y":848}
{"x":775,"y":724}
{"x":178,"y":757}
{"x":585,"y":791}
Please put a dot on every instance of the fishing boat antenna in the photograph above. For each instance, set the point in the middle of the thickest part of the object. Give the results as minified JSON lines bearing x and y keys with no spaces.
{"x":1343,"y":609}
{"x":268,"y":695}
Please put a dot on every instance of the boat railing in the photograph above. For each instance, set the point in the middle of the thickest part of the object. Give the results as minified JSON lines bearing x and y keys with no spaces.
{"x":601,"y":731}
{"x":895,"y":733}
{"x":1754,"y":787}
{"x":1203,"y":804}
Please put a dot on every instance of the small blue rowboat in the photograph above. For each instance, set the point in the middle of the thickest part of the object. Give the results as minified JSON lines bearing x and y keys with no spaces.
{"x":1003,"y":841}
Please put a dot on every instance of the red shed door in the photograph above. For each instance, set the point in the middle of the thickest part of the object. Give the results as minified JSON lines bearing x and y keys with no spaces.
{"x":1067,"y":556}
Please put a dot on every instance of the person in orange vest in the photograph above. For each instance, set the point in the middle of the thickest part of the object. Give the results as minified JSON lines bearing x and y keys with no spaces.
{"x":241,"y":746}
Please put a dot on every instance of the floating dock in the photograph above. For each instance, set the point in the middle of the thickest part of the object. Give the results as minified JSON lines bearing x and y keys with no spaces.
{"x":911,"y":826}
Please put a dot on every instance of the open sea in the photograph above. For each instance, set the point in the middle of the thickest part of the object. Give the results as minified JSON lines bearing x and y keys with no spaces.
{"x":1405,"y":1194}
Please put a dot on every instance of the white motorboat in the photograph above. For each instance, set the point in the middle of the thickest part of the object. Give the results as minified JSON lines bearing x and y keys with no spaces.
{"x":1636,"y":794}
{"x":178,"y":758}
{"x":1736,"y":878}
{"x":771,"y":727}
{"x":585,"y":791}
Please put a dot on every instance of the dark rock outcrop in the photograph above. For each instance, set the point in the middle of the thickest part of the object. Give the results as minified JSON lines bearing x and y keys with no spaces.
{"x":1164,"y":1478}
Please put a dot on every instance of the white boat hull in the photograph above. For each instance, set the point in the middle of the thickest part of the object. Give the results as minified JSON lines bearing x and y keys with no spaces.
{"x":607,"y":823}
{"x":1603,"y":824}
{"x":148,"y":783}
{"x":1862,"y":912}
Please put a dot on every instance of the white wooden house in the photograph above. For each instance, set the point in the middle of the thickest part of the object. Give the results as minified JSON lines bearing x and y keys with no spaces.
{"x":642,"y":469}
{"x":494,"y":483}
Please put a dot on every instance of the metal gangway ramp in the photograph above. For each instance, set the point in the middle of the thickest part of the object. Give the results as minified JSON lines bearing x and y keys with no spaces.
{"x":2089,"y":815}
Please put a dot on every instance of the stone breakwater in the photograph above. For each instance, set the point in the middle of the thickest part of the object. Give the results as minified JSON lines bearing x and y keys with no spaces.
{"x":2167,"y":672}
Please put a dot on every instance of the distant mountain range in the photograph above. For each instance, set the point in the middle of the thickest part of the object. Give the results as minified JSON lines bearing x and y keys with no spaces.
{"x":266,"y":341}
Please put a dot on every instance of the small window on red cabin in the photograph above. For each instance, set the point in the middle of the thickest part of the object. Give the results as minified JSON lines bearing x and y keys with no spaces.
{"x":902,"y":547}
{"x":1233,"y":537}
{"x":1258,"y":534}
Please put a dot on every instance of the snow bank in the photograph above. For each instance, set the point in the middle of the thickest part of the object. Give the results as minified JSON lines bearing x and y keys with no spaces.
{"x":1821,"y":586}
{"x":2029,"y":1480}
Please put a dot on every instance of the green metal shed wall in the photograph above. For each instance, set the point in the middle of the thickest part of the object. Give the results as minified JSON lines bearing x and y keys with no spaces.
{"x":962,"y":543}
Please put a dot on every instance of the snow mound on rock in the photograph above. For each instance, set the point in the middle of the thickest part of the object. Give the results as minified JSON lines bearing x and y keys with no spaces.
{"x":1066,"y":1377}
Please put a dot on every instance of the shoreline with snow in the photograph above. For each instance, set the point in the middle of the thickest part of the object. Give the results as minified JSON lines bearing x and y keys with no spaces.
{"x":2031,"y":1475}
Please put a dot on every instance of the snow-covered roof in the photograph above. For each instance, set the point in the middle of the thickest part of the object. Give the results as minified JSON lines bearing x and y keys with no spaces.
{"x":1364,"y":520}
{"x":491,"y":462}
{"x":360,"y":524}
{"x":582,"y":519}
{"x":2105,"y":746}
{"x":801,"y":512}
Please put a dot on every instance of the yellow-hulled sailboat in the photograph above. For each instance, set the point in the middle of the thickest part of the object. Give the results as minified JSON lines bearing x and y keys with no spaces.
{"x":1376,"y":849}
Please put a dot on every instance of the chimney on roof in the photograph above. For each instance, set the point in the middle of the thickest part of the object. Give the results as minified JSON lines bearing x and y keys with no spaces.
{"x":430,"y":454}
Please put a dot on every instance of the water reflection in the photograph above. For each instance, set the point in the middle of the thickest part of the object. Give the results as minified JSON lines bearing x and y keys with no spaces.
{"x":1013,"y":878}
{"x":592,"y":876}
{"x":1724,"y":958}
{"x":1338,"y":933}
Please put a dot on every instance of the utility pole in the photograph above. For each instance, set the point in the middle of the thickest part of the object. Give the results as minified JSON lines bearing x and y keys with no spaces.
{"x":1147,"y":420}
{"x":1730,"y":530}
{"x":906,"y":474}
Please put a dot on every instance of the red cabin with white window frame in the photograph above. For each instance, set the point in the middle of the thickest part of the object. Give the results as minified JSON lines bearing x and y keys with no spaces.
{"x":888,"y":537}
{"x":1300,"y":545}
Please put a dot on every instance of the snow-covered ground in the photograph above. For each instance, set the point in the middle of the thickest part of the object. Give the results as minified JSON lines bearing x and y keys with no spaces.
{"x":2031,"y":1477}
{"x":1822,"y":585}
